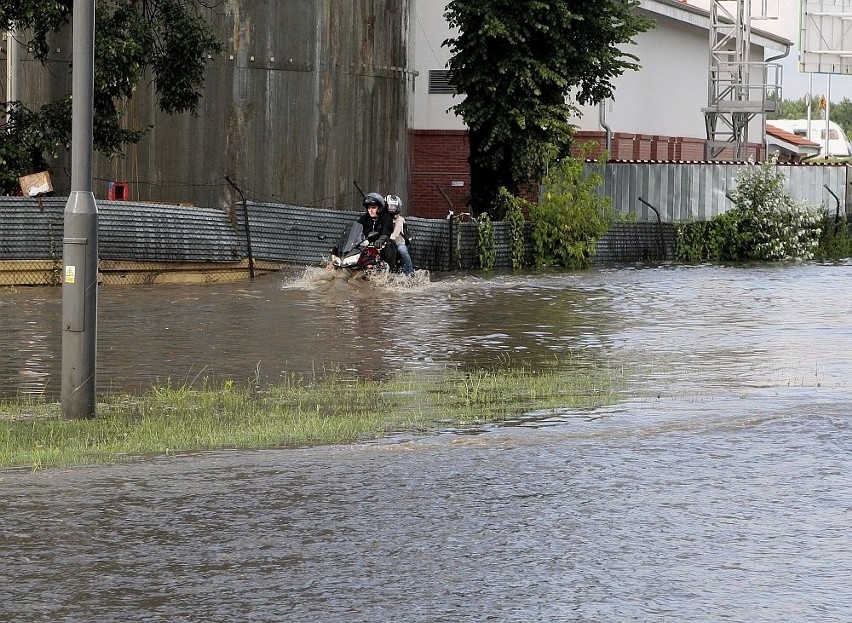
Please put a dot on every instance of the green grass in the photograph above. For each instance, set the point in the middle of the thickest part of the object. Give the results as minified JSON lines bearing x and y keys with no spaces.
{"x":296,"y":412}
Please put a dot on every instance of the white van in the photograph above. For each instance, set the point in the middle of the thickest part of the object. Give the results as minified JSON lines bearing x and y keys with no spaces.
{"x":838,"y":146}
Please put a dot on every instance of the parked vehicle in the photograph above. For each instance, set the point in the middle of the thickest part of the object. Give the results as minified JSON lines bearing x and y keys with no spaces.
{"x":838,"y":145}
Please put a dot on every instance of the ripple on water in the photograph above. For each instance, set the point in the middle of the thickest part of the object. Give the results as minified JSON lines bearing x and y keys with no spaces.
{"x":714,"y":489}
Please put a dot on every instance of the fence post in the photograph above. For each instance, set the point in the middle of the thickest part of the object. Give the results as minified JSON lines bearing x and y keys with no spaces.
{"x":248,"y":232}
{"x":659,"y":228}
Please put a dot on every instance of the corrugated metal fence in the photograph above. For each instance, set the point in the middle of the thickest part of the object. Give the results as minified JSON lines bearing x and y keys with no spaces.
{"x":684,"y":191}
{"x":150,"y":242}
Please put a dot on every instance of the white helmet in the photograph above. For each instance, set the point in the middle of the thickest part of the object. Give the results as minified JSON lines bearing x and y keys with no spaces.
{"x":394,"y":203}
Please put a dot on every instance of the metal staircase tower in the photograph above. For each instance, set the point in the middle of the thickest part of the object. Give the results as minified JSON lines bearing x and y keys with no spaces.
{"x":739,"y":90}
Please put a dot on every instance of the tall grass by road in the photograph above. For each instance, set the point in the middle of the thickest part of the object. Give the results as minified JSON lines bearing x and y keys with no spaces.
{"x":296,"y":412}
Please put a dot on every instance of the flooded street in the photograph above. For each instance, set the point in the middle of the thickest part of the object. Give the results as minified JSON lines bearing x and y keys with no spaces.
{"x":715,"y":489}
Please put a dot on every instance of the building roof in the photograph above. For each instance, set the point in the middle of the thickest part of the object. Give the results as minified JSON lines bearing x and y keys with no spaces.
{"x":682,"y":11}
{"x":791,"y":143}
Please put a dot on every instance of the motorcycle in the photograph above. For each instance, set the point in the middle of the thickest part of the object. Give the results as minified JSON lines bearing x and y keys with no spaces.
{"x":357,"y":254}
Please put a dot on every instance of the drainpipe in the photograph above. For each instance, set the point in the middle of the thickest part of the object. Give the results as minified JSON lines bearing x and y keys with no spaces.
{"x":607,"y":129}
{"x":784,"y":54}
{"x":772,"y":59}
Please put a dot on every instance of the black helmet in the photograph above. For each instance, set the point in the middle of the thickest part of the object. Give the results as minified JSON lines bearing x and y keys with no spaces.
{"x":394,"y":203}
{"x":374,"y":199}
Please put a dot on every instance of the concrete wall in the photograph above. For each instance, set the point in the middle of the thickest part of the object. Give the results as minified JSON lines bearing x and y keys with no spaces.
{"x":308,"y":97}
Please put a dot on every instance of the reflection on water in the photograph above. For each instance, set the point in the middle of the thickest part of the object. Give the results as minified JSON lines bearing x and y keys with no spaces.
{"x":699,"y":328}
{"x":716,"y":490}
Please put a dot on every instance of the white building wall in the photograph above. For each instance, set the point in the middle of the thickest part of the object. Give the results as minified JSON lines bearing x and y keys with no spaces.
{"x":430,"y":112}
{"x":667,"y":95}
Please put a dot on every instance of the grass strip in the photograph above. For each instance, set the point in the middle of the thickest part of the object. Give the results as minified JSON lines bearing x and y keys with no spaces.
{"x":295,"y":412}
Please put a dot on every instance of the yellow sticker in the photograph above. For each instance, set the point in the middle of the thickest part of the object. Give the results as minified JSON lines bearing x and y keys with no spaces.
{"x":70,"y":274}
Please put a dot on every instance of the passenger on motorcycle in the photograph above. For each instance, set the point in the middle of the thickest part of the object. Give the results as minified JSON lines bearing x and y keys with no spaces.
{"x":394,"y":204}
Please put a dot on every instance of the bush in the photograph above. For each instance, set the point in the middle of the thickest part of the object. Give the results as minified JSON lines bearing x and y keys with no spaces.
{"x":835,"y":242}
{"x":485,"y":241}
{"x":764,"y":224}
{"x":570,"y":216}
{"x":513,"y":207}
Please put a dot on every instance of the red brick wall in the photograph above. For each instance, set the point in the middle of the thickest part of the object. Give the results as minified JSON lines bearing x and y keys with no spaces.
{"x":627,"y":146}
{"x":438,"y":159}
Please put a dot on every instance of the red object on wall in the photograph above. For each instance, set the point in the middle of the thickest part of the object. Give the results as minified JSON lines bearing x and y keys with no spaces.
{"x":118,"y":191}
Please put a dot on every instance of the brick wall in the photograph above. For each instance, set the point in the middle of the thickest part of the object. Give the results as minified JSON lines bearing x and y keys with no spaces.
{"x":438,"y":164}
{"x":626,"y":146}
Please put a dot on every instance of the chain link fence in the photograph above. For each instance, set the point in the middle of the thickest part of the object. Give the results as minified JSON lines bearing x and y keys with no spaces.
{"x":146,"y":243}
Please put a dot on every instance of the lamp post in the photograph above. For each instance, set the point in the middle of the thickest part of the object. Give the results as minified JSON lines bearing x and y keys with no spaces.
{"x":80,"y":241}
{"x":13,"y":66}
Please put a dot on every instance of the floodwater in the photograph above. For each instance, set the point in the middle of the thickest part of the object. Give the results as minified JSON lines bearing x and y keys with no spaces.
{"x":715,"y":489}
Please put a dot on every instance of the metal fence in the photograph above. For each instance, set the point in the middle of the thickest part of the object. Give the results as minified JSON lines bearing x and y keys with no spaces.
{"x":143,"y":243}
{"x":684,"y":191}
{"x":159,"y":243}
{"x":137,"y":243}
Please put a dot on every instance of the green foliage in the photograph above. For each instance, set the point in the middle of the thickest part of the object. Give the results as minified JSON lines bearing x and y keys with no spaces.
{"x":570,"y":216}
{"x":514,"y":210}
{"x":792,"y":109}
{"x":693,"y":241}
{"x":516,"y":65}
{"x":764,"y":224}
{"x":165,"y":41}
{"x":835,"y":241}
{"x":485,"y":242}
{"x":295,"y":412}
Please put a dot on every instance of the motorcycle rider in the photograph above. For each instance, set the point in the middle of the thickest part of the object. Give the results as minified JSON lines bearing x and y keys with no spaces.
{"x":377,"y":219}
{"x":394,"y":203}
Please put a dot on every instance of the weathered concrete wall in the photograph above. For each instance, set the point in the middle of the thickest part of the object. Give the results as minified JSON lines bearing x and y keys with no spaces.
{"x":309,"y":96}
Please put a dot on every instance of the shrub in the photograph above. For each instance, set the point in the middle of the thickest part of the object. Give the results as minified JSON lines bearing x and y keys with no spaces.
{"x":485,"y":241}
{"x":570,"y":216}
{"x":513,"y":207}
{"x":835,"y":242}
{"x":766,"y":223}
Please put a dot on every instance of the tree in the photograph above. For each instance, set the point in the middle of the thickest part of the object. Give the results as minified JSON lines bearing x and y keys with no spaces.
{"x":166,"y":41}
{"x":524,"y":66}
{"x":792,"y":109}
{"x":841,"y":114}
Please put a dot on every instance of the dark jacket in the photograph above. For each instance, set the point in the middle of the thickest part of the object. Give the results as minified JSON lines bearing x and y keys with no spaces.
{"x":383,"y":223}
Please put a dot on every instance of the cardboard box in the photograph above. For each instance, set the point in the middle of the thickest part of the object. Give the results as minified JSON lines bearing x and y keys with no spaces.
{"x":36,"y":184}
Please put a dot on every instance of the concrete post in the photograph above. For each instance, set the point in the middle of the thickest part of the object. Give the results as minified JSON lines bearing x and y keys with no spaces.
{"x":80,"y":242}
{"x":13,"y":66}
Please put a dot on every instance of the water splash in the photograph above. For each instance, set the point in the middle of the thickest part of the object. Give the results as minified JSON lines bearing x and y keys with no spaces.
{"x":419,"y":280}
{"x":322,"y":278}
